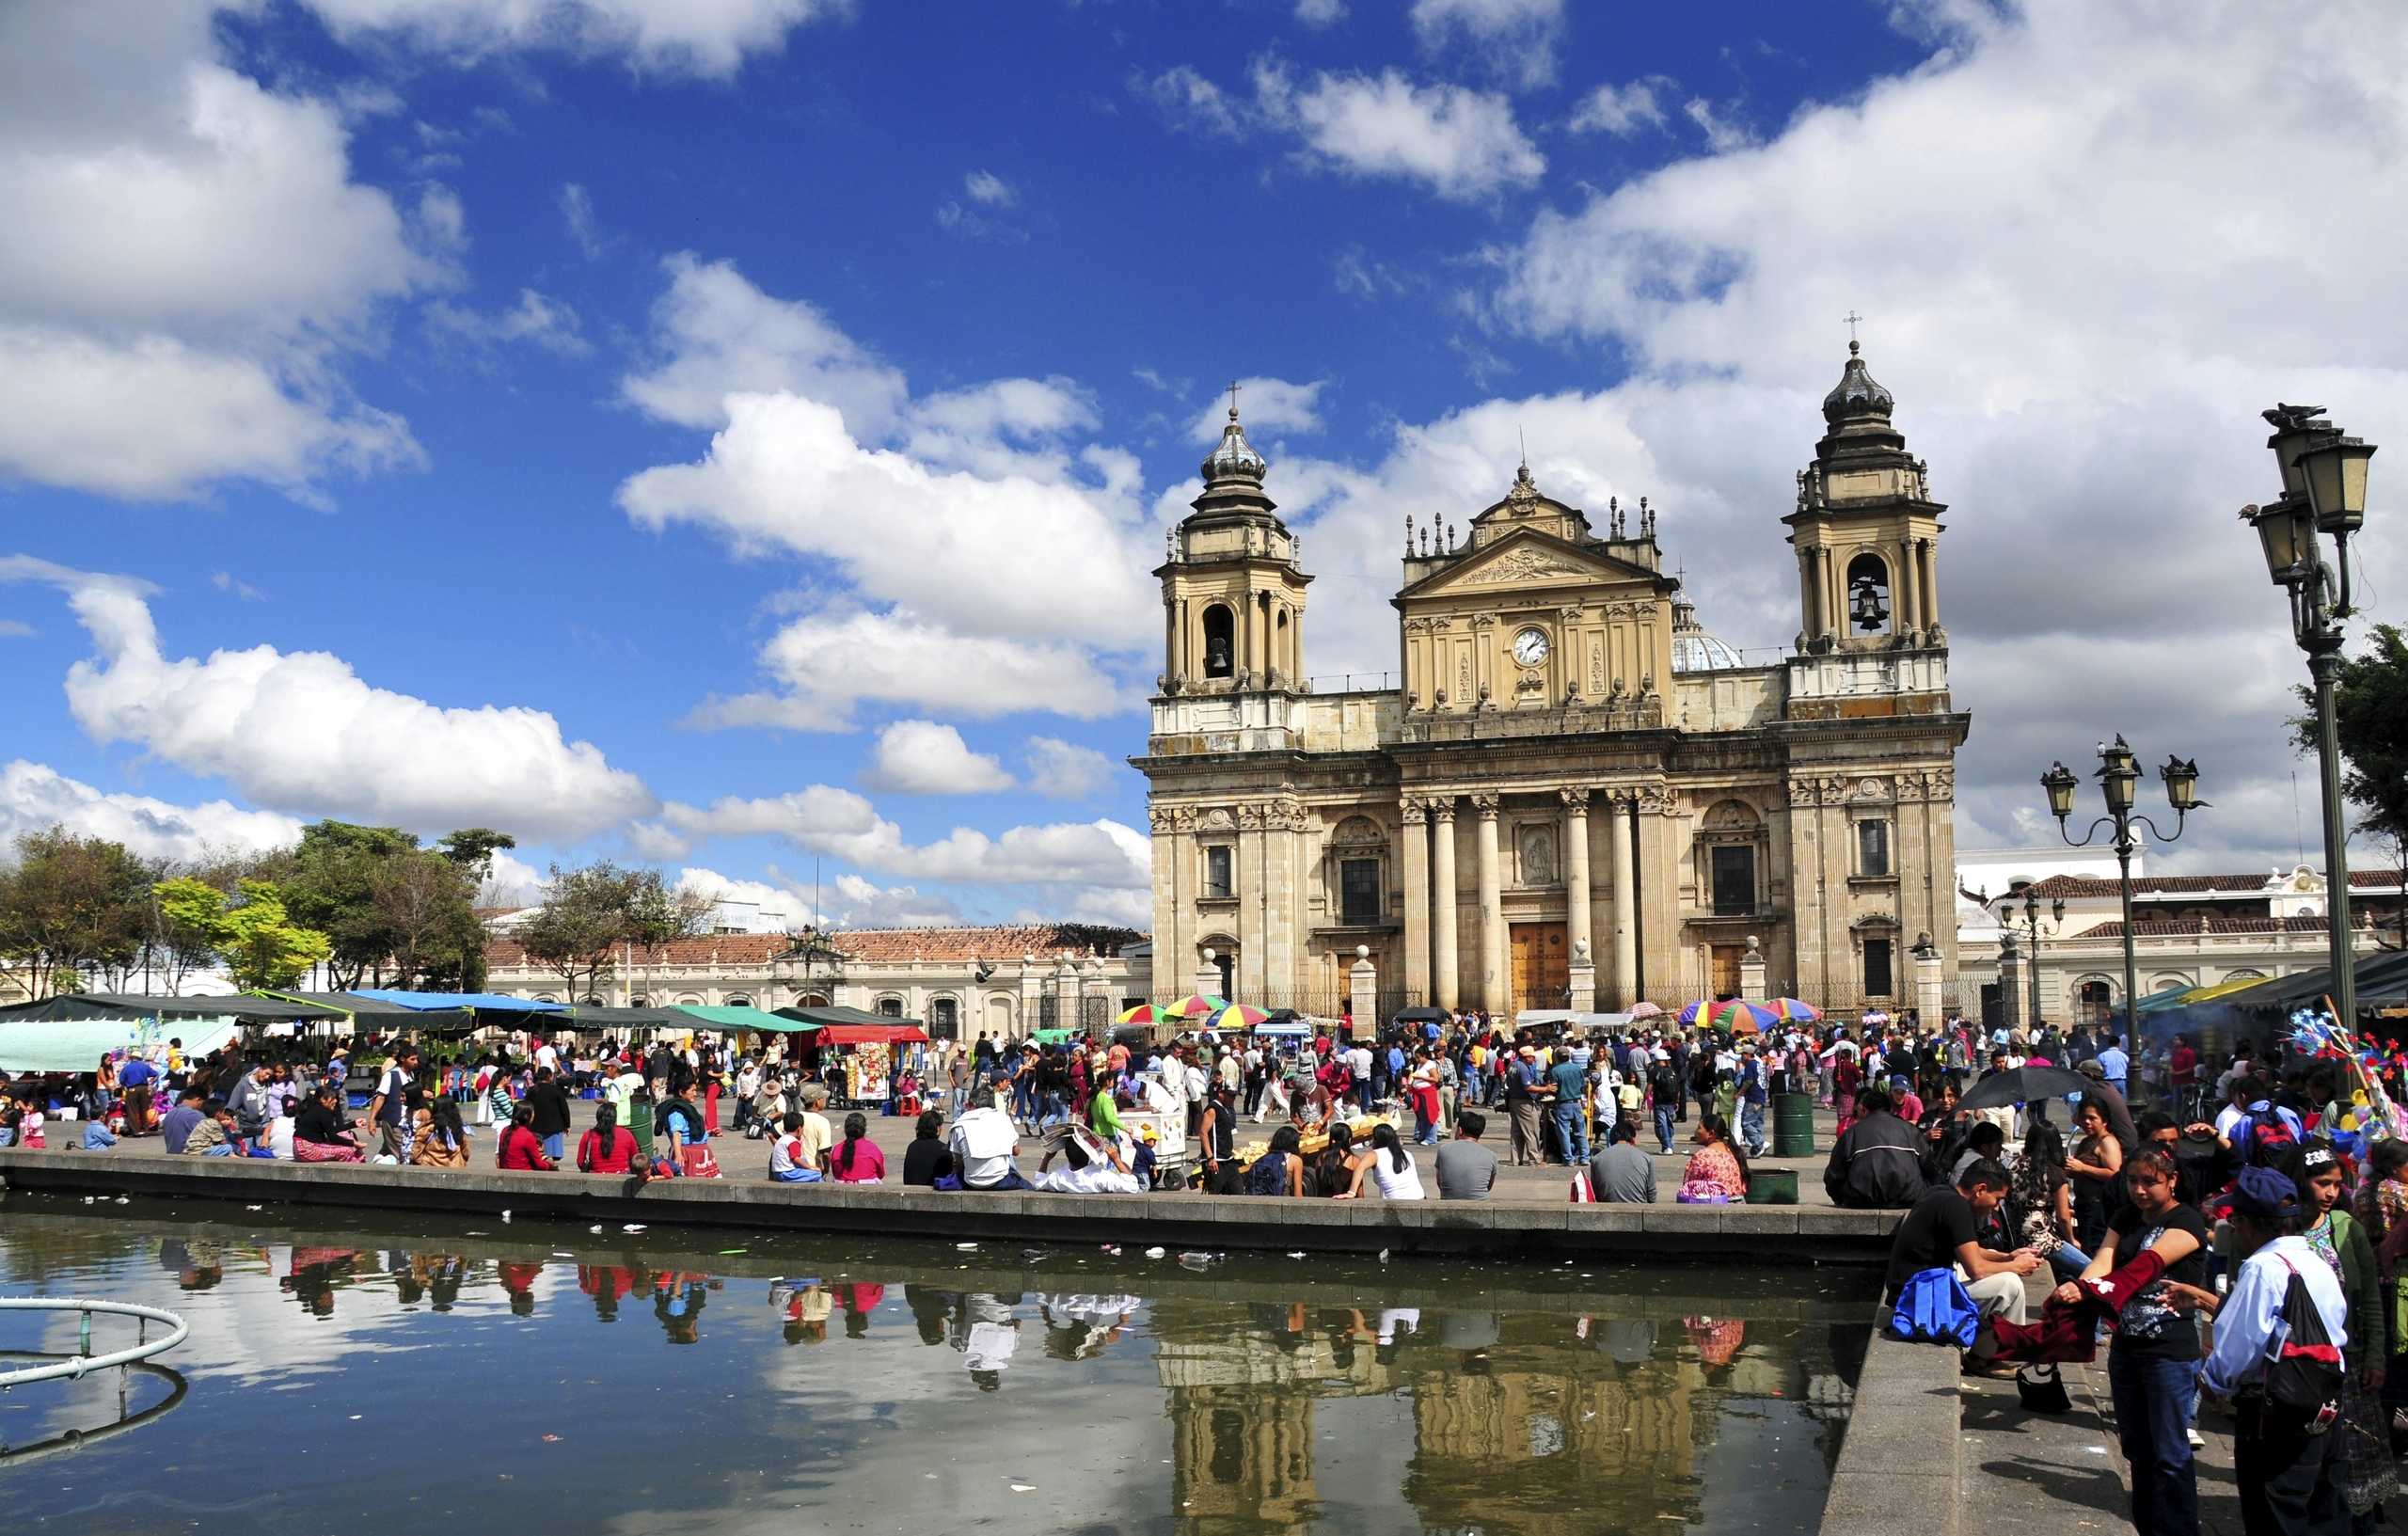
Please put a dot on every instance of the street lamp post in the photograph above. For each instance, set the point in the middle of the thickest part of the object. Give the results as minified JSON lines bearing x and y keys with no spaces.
{"x":2032,"y":926}
{"x":2325,"y":491}
{"x":2118,"y":777}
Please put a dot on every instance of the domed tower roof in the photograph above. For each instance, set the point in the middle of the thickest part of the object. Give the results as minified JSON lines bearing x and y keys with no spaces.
{"x":1235,"y":458}
{"x":1857,"y":394}
{"x":1693,"y":649}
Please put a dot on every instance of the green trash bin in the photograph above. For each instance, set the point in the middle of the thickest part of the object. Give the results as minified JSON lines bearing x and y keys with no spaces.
{"x":1793,"y":1125}
{"x":1773,"y":1186}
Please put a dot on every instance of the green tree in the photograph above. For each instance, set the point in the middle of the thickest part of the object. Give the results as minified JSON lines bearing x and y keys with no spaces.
{"x":393,"y":913}
{"x":70,"y":907}
{"x":473,"y":848}
{"x":595,"y":917}
{"x":252,"y":934}
{"x":2371,"y":721}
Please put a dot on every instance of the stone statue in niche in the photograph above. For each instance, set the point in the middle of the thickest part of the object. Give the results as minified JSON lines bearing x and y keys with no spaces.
{"x":1538,"y":855}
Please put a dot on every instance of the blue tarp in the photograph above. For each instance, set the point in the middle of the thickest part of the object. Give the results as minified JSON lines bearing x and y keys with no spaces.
{"x":437,"y":1001}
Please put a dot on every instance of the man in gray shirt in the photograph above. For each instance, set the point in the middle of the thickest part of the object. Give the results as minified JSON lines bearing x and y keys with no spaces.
{"x":1622,"y":1174}
{"x":1466,"y":1170}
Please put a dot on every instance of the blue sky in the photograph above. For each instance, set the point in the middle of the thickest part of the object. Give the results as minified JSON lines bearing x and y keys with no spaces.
{"x":733,"y":437}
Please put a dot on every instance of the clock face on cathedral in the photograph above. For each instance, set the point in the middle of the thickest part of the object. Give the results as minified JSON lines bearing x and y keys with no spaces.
{"x":1529,"y":647}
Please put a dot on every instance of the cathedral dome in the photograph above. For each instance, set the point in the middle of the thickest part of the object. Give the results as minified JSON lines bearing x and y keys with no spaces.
{"x":1235,"y":456}
{"x":1857,"y":393}
{"x":1693,"y":649}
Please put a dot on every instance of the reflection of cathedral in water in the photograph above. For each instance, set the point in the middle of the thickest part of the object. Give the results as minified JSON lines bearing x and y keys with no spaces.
{"x":1529,"y":1423}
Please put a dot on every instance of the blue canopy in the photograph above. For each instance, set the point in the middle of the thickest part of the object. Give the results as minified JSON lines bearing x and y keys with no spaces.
{"x":437,"y":1001}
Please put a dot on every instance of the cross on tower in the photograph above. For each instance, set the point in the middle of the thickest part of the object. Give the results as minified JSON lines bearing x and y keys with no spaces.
{"x":1852,"y":320}
{"x":1233,"y":400}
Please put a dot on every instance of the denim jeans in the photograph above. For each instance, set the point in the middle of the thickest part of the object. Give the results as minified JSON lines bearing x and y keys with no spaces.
{"x":1751,"y":1127}
{"x":2153,"y":1420}
{"x":1574,"y":1129}
{"x":1664,"y":1125}
{"x":2069,"y":1262}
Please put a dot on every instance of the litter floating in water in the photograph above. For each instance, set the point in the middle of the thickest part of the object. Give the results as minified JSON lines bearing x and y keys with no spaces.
{"x":557,"y":1253}
{"x":596,"y":1228}
{"x":1033,"y":1255}
{"x":90,"y":1199}
{"x":255,"y":1207}
{"x":1153,"y":1253}
{"x":1023,"y":1487}
{"x":632,"y":1226}
{"x":1199,"y":1261}
{"x":505,"y":1215}
{"x":724,"y":1252}
{"x":1384,"y":1256}
{"x":550,"y":1438}
{"x":965,"y":1247}
{"x":122,"y":1200}
{"x":1298,"y":1254}
{"x":1112,"y":1247}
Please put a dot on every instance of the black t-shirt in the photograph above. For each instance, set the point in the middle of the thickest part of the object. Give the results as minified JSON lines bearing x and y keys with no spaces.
{"x":1941,"y":1223}
{"x":2148,"y":1326}
{"x":550,"y":1102}
{"x":925,"y":1160}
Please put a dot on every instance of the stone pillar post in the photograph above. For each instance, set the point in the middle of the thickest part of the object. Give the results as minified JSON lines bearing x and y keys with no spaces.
{"x":1495,"y":995}
{"x":1363,"y":993}
{"x":1445,"y":926}
{"x":1751,"y":971}
{"x":1582,"y":977}
{"x":1625,"y":906}
{"x":1066,"y":994}
{"x":1032,"y":986}
{"x":1208,"y":976}
{"x":1930,"y":1007}
{"x":1416,"y":900}
{"x":1575,"y":867}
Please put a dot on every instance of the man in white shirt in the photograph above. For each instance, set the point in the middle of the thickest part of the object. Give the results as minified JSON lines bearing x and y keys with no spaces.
{"x":548,"y":1058}
{"x":2292,"y":1480}
{"x":984,"y":1142}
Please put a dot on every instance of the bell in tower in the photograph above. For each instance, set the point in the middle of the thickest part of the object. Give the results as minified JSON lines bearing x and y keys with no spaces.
{"x":1234,"y":587}
{"x":1865,"y":529}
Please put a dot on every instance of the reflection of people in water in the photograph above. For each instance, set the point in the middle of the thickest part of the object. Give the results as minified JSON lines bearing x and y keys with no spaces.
{"x":442,"y":1273}
{"x":806,"y":1304}
{"x":606,"y":1286}
{"x":316,"y":1272}
{"x":992,"y":1335}
{"x":677,"y":1301}
{"x":1079,"y":1327}
{"x":196,"y":1265}
{"x":930,"y":1310}
{"x":858,"y":1302}
{"x":1717,"y":1339}
{"x":1394,"y":1325}
{"x":519,"y":1278}
{"x":1285,"y":1325}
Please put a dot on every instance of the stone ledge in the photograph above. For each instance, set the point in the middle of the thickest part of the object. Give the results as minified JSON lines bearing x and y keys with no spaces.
{"x":1780,"y":1235}
{"x":1900,"y":1461}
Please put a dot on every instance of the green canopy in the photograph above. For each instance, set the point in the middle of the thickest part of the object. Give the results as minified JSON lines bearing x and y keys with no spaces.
{"x":821,"y":1017}
{"x":597,"y":1017}
{"x":2382,"y":977}
{"x":80,"y":1007}
{"x":737,"y":1018}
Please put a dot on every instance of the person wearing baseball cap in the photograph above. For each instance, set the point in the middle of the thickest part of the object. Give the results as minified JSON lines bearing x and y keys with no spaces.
{"x":2292,"y":1480}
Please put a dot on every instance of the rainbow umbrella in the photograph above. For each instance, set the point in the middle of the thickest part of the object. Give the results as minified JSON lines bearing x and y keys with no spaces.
{"x":1193,"y":1005}
{"x":1236,"y":1016}
{"x":1792,"y":1009}
{"x":1688,"y":1016}
{"x":1146,"y":1013}
{"x":1732,"y":1014}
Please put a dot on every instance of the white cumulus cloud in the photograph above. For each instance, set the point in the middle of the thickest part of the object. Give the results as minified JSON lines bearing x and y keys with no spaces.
{"x":34,"y":797}
{"x":299,"y":732}
{"x":698,"y":36}
{"x":923,"y":757}
{"x":1064,"y":770}
{"x":1265,"y":405}
{"x":1619,"y":110}
{"x":1513,"y":38}
{"x":839,"y":824}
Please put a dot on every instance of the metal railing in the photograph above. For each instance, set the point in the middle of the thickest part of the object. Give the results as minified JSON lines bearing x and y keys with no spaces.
{"x":84,"y":1361}
{"x":1354,"y":682}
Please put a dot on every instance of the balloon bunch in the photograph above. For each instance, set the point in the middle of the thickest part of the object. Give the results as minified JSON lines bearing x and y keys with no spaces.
{"x":2372,"y":1113}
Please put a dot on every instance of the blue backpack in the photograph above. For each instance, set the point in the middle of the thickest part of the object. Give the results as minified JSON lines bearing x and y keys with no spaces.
{"x":1933,"y":1308}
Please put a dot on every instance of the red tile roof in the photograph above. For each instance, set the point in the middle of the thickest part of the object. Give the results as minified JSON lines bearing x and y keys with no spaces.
{"x":2209,"y":885}
{"x":877,"y":946}
{"x":2192,"y":927}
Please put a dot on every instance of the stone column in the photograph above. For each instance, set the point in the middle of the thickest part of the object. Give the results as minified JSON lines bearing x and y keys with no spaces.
{"x":1930,"y":583}
{"x":1581,"y":977}
{"x":1575,"y":867}
{"x":1751,"y":971}
{"x":1625,"y":906}
{"x":1066,"y":994}
{"x":1417,"y":898}
{"x":1363,"y":994}
{"x":1809,"y":618}
{"x":1032,"y":986}
{"x":1930,"y":1007}
{"x":1443,"y":922}
{"x":2011,"y":980}
{"x":1208,"y":974}
{"x":1495,"y":995}
{"x":1906,"y":605}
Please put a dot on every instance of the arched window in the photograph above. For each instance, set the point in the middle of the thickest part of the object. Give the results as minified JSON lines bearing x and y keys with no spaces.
{"x":740,"y":1001}
{"x":945,"y":1019}
{"x":1220,"y":640}
{"x":2098,"y":1000}
{"x":1868,"y":596}
{"x":890,"y":1007}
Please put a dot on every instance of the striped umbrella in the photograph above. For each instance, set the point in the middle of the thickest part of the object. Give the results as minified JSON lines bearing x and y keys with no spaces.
{"x":1740,"y":1018}
{"x":1236,"y":1016}
{"x":1792,"y":1009}
{"x":1195,"y":1004}
{"x":1146,"y":1013}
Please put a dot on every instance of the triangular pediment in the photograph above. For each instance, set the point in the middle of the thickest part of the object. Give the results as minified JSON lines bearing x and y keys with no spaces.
{"x":1528,"y":558}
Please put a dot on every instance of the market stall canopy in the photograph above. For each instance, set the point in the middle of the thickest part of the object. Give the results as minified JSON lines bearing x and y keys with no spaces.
{"x":84,"y":1007}
{"x":601,"y":1018}
{"x":441,"y":1002}
{"x":726,"y":1018}
{"x":2383,"y":981}
{"x":886,"y":1033}
{"x":825,"y":1015}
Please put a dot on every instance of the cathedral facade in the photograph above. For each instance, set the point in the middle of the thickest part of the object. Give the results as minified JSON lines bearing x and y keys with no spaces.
{"x":1575,"y":797}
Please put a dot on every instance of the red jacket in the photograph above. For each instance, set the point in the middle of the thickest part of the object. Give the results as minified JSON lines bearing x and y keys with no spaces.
{"x":522,"y":1149}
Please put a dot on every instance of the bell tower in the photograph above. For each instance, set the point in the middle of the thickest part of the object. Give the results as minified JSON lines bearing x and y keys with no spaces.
{"x":1233,"y":592}
{"x":1866,"y":530}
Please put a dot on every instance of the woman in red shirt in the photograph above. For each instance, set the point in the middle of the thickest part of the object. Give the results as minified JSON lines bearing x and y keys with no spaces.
{"x":606,"y":1148}
{"x":521,"y":1147}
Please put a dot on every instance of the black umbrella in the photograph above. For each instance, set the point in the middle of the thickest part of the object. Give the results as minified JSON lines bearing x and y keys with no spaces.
{"x":2022,"y":1085}
{"x":1416,"y":1016}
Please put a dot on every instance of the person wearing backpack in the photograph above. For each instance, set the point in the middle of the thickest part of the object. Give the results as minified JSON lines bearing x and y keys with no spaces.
{"x":2289,"y":1461}
{"x":2337,"y":1238}
{"x":1663,"y":1088}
